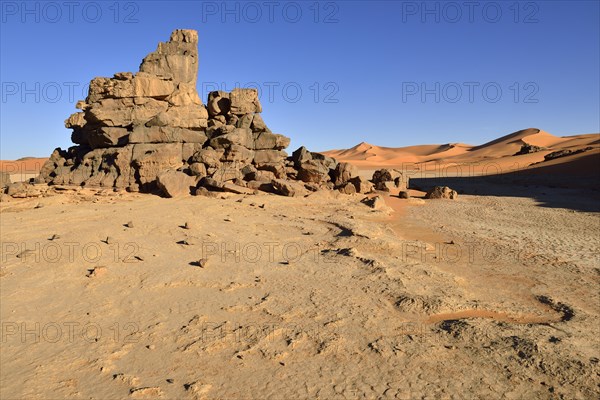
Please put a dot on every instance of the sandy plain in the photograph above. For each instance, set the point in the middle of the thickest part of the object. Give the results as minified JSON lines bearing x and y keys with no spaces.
{"x":494,"y":295}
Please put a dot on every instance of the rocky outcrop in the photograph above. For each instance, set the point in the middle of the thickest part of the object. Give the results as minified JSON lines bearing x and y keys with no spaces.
{"x":564,"y":153}
{"x":144,"y":131}
{"x":529,"y":149}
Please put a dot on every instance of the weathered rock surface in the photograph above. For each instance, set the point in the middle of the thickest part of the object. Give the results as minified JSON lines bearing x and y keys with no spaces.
{"x":376,"y":202}
{"x":528,"y":149}
{"x":175,"y":183}
{"x":4,"y":180}
{"x":388,"y":179}
{"x":442,"y":192}
{"x":149,"y":131}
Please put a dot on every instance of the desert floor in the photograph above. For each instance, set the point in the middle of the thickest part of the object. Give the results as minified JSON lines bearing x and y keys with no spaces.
{"x":273,"y":297}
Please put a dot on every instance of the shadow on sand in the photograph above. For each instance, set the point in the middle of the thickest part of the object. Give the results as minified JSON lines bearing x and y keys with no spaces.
{"x":546,"y":186}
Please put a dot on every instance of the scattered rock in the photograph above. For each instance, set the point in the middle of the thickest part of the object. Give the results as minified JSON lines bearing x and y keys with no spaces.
{"x":146,"y":392}
{"x":376,"y":202}
{"x":197,"y":388}
{"x":442,"y":192}
{"x":202,"y":263}
{"x":97,"y":272}
{"x":187,"y":225}
{"x":129,"y":224}
{"x":25,"y":253}
{"x":349,"y":252}
{"x":404,"y":194}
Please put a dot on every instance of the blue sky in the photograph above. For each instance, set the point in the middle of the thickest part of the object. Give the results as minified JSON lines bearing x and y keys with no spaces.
{"x":331,"y":73}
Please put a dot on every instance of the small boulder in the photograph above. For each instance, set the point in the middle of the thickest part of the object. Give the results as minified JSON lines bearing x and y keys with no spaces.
{"x":375,"y":203}
{"x":442,"y":192}
{"x":348,"y":188}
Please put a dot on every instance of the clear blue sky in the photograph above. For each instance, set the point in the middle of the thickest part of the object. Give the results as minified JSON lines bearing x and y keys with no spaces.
{"x":361,"y":66}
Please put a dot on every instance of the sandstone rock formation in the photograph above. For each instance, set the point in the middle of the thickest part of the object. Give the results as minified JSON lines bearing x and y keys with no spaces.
{"x":150,"y":131}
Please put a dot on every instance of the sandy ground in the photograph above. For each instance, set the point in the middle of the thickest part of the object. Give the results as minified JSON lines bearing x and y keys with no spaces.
{"x":317,"y":297}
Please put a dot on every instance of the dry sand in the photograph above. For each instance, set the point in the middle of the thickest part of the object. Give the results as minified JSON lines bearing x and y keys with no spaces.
{"x":495,"y":295}
{"x":458,"y":159}
{"x":483,"y":297}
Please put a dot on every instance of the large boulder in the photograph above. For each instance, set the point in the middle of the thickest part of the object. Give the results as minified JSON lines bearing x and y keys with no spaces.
{"x":313,"y":171}
{"x":239,"y":136}
{"x":175,"y":183}
{"x":343,"y":173}
{"x":270,"y":141}
{"x":362,"y":185}
{"x":387,"y":179}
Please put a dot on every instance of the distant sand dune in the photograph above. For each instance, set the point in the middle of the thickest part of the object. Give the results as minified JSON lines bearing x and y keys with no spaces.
{"x":489,"y":158}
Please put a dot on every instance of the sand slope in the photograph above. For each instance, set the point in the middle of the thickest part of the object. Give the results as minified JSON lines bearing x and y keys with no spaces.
{"x":22,"y":169}
{"x":496,"y":156}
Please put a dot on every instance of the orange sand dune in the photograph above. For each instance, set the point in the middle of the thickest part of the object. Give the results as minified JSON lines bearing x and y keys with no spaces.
{"x":496,"y":156}
{"x":22,"y":165}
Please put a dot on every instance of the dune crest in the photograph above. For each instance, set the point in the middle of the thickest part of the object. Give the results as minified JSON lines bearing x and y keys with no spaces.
{"x":533,"y":144}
